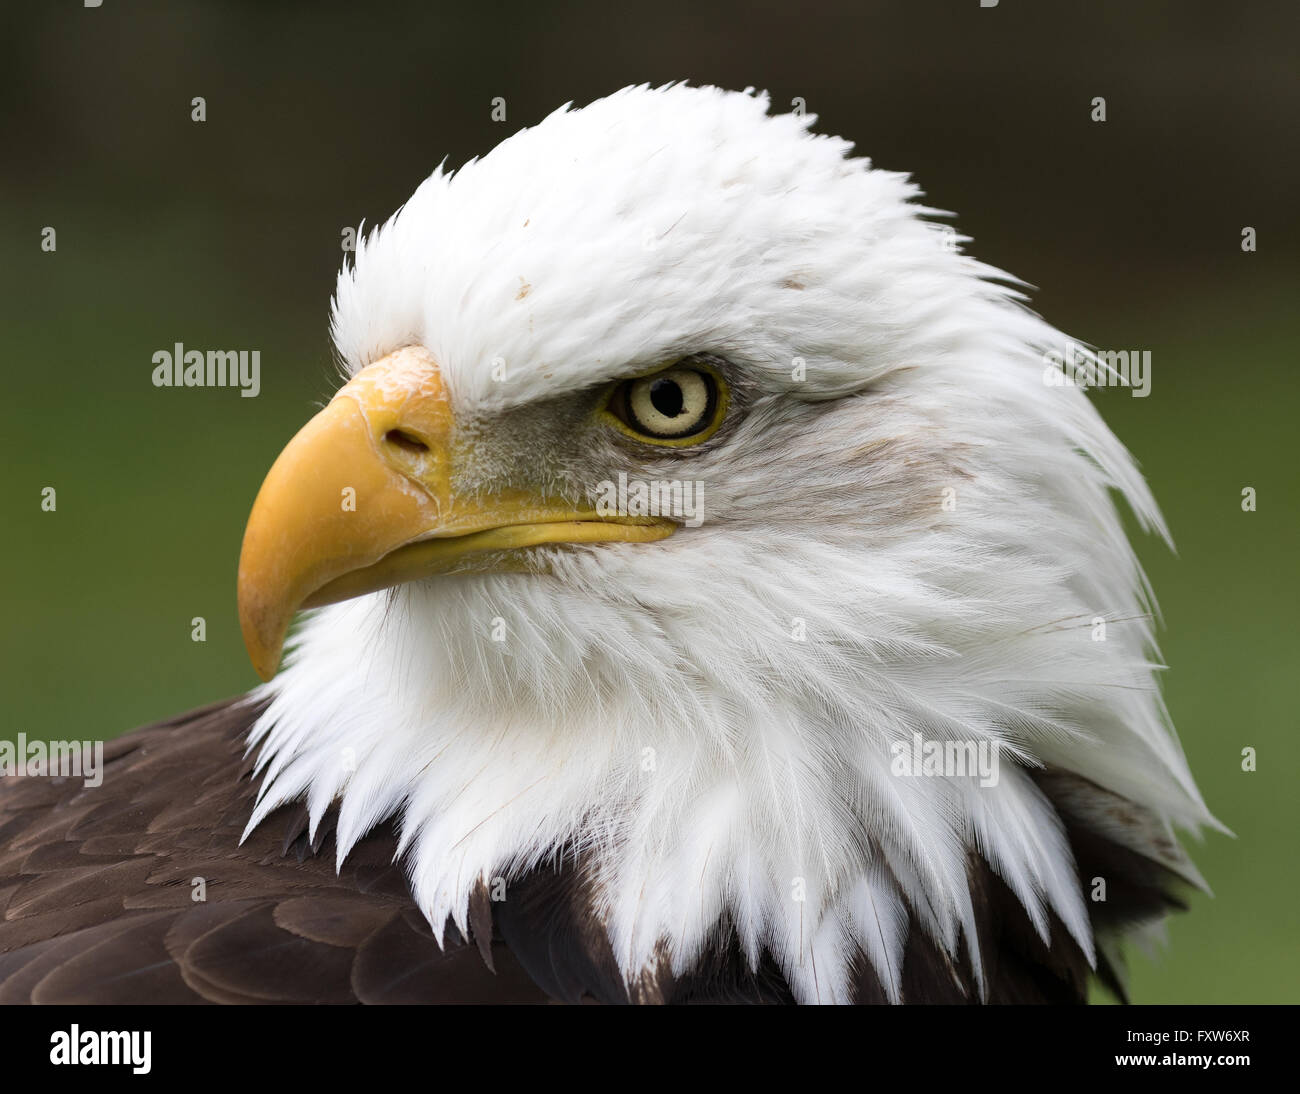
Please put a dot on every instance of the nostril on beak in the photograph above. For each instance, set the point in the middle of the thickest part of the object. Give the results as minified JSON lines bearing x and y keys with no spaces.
{"x":405,"y":441}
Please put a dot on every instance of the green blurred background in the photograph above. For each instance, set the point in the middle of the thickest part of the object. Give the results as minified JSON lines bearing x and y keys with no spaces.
{"x":227,"y":233}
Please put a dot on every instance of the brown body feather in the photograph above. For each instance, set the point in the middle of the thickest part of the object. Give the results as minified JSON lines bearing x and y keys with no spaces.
{"x":97,"y":905}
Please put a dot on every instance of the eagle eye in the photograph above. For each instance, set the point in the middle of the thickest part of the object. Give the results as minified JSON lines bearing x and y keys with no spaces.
{"x":680,"y":405}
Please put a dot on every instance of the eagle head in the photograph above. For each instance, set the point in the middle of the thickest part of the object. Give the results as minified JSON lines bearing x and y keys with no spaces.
{"x":690,"y":491}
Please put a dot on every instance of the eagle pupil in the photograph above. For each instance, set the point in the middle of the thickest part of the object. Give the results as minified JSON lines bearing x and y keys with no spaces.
{"x":666,"y":397}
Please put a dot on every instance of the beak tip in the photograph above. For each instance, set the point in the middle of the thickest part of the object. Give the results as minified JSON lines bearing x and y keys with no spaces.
{"x":263,"y":635}
{"x":265,"y":659}
{"x":265,"y":663}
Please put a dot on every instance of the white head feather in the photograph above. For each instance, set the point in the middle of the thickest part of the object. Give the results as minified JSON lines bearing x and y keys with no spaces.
{"x":649,"y":705}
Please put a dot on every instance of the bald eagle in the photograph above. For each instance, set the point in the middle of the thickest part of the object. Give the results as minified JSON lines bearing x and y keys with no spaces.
{"x":710,"y":596}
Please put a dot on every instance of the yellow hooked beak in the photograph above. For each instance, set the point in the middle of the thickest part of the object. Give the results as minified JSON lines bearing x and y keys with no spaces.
{"x":361,"y":499}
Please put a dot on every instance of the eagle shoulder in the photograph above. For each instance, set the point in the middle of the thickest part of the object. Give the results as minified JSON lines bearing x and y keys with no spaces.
{"x":139,"y":891}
